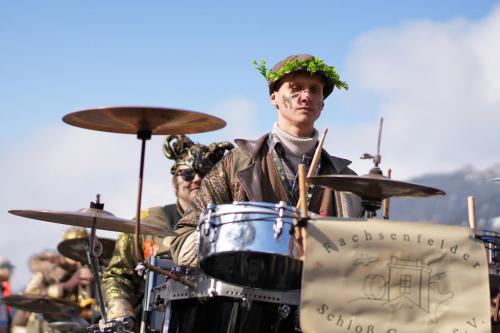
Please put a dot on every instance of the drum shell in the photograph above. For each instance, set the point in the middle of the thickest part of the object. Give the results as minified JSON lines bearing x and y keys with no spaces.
{"x":239,"y":244}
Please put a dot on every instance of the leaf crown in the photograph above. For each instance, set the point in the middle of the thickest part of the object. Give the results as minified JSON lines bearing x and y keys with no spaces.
{"x":312,"y":65}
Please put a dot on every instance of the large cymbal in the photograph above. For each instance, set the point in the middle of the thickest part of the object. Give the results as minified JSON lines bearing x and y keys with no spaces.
{"x":374,"y":186}
{"x":76,"y":249}
{"x":41,"y":304}
{"x":68,"y":326}
{"x":85,"y":218}
{"x":133,"y":119}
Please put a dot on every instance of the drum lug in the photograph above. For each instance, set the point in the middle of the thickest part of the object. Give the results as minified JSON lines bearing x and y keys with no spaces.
{"x":278,"y":224}
{"x":284,"y":311}
{"x":246,"y":304}
{"x":208,"y":219}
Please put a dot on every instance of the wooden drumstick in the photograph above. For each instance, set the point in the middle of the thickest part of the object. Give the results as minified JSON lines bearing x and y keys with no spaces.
{"x":302,"y":191}
{"x":317,"y":154}
{"x":303,"y":204}
{"x":315,"y":161}
{"x":472,"y":212}
{"x":340,"y":208}
{"x":387,"y":201}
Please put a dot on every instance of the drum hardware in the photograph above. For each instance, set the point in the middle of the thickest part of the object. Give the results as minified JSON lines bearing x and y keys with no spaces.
{"x":386,"y":203}
{"x":206,"y":287}
{"x":144,"y":122}
{"x":213,"y":299}
{"x":210,"y":210}
{"x":86,"y":217}
{"x":246,"y":304}
{"x":284,"y":310}
{"x":94,"y":217}
{"x":241,"y":247}
{"x":76,"y":249}
{"x":42,"y":304}
{"x":93,"y":254}
{"x":67,"y":327}
{"x":113,"y":326}
{"x":491,"y":241}
{"x":278,"y":223}
{"x":373,"y":188}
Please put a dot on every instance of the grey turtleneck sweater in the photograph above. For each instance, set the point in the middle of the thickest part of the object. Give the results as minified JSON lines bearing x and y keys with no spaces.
{"x":295,"y":148}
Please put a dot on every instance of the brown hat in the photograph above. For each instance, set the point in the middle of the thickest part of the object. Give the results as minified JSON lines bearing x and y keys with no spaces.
{"x":199,"y":157}
{"x":75,"y":232}
{"x":304,"y":63}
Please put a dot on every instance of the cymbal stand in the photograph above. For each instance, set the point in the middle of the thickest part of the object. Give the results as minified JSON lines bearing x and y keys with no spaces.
{"x":371,"y":205}
{"x":143,"y":135}
{"x":94,"y":251}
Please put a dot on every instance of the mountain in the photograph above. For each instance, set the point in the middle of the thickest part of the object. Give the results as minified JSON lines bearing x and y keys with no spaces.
{"x":452,"y":208}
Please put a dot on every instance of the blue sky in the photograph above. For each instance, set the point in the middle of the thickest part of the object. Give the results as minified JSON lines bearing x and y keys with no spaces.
{"x":428,"y":67}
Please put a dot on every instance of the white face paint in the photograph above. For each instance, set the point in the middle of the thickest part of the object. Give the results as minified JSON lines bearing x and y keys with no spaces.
{"x":299,"y":102}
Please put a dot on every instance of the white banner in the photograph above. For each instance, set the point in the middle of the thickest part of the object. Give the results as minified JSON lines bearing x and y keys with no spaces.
{"x":394,"y":277}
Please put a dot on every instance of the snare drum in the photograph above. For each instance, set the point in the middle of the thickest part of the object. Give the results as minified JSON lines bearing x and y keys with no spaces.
{"x":250,"y":244}
{"x":215,"y":306}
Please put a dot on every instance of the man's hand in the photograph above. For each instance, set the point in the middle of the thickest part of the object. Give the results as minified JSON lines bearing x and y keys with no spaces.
{"x":81,"y":277}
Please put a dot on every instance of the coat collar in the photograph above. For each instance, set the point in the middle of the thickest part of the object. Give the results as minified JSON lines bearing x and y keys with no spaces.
{"x":252,"y":147}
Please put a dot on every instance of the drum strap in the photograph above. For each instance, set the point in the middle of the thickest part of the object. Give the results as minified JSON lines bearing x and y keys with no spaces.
{"x":279,"y":158}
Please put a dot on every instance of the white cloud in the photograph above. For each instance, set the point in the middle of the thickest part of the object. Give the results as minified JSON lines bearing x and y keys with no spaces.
{"x":439,"y":93}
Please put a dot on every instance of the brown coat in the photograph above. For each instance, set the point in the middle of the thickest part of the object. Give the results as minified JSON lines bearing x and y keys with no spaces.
{"x":248,"y":173}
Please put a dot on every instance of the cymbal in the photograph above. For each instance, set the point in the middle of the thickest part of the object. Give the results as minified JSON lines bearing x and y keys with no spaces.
{"x":85,"y":218}
{"x":373,"y":186}
{"x":41,"y":304}
{"x":76,"y":249}
{"x":67,"y":326}
{"x":133,"y":119}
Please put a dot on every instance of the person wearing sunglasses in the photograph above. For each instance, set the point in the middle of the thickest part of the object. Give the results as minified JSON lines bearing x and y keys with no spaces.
{"x":123,"y":287}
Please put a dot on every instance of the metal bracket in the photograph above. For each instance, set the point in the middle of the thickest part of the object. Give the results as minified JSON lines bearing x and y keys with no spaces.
{"x":278,"y":224}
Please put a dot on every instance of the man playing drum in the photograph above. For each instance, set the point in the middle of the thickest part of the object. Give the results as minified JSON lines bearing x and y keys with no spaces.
{"x":122,"y":285}
{"x":266,"y":169}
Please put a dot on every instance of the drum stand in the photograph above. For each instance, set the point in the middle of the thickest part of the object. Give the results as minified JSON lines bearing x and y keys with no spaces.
{"x":94,"y":251}
{"x":371,"y":205}
{"x":143,"y":135}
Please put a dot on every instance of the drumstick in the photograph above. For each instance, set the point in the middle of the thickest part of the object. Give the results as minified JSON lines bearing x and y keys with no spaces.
{"x":387,"y":201}
{"x":340,"y":208}
{"x":315,"y":160}
{"x":472,"y":212}
{"x":317,"y":154}
{"x":303,"y":204}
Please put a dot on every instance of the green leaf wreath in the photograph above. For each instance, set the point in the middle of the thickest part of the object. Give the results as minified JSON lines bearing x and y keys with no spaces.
{"x":311,"y":65}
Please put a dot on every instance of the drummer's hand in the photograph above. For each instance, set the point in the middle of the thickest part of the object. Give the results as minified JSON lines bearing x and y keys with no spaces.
{"x":85,"y":276}
{"x":81,"y":276}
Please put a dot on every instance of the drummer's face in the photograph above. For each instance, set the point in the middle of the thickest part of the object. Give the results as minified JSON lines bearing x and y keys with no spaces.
{"x":299,"y":102}
{"x":184,"y":189}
